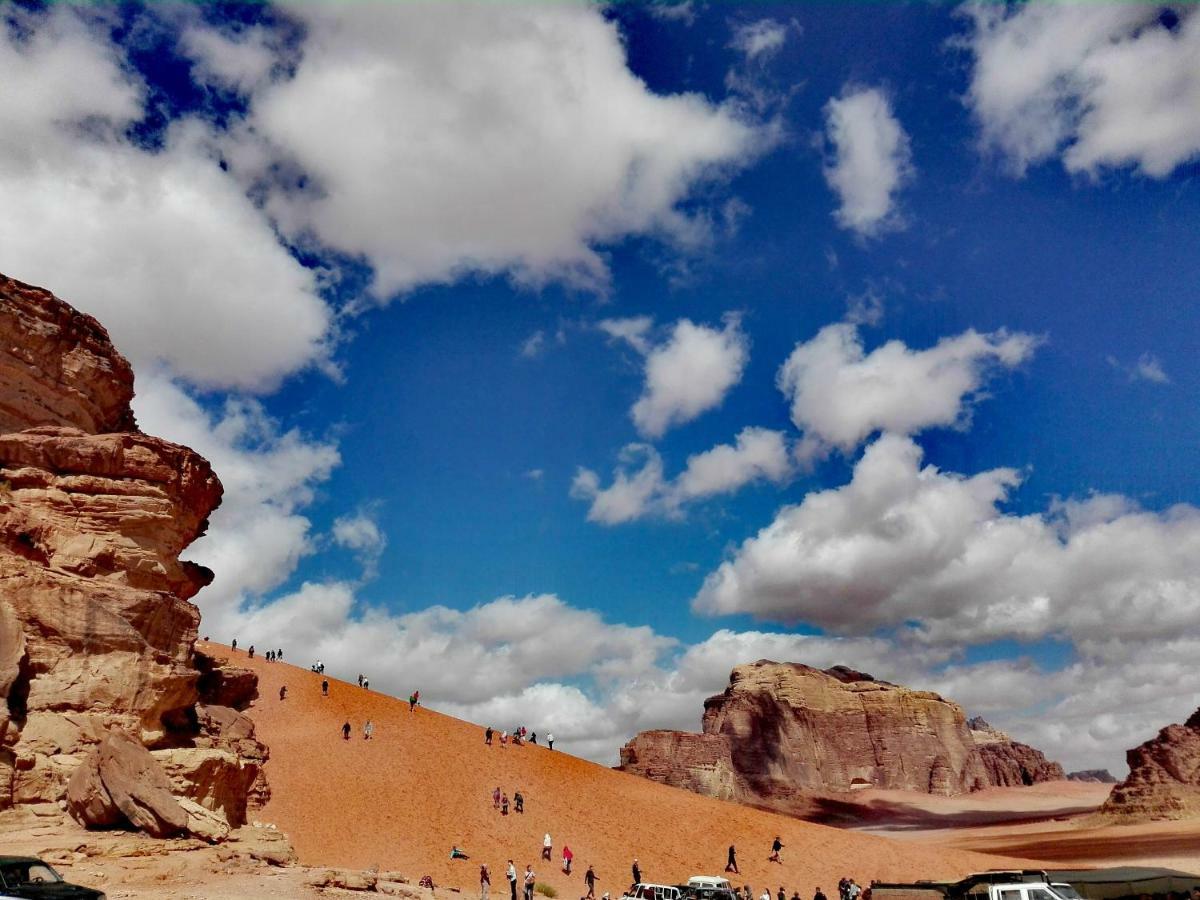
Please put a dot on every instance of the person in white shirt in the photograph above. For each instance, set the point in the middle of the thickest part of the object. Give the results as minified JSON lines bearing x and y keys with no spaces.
{"x":512,"y":879}
{"x":529,"y":882}
{"x":550,"y":741}
{"x":547,"y":846}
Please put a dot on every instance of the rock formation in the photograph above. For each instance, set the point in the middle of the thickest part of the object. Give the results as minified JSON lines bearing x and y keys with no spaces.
{"x":1092,"y":776}
{"x":1164,"y":777}
{"x":96,"y":627}
{"x":782,"y":731}
{"x":1010,"y":763}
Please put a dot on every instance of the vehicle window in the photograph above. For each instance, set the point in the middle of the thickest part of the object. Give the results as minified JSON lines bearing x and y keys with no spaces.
{"x":29,"y":873}
{"x":1065,"y":890}
{"x":1040,"y":894}
{"x":1010,"y":895}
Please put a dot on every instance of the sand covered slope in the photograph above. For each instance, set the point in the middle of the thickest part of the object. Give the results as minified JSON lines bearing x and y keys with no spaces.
{"x":425,"y":782}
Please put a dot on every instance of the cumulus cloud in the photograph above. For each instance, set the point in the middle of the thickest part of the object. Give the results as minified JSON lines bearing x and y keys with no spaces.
{"x":759,"y":39}
{"x":165,"y":248}
{"x":758,"y":454}
{"x":361,"y":534}
{"x":839,"y":394}
{"x":260,"y":532}
{"x":635,"y":331}
{"x":871,"y":159}
{"x":689,"y":373}
{"x":1102,"y":85}
{"x":906,"y":545}
{"x":242,"y":60}
{"x":444,"y":140}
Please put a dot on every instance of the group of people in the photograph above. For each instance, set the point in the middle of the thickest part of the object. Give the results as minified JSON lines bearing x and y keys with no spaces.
{"x":368,"y":730}
{"x":519,"y":736}
{"x":363,"y":681}
{"x":776,"y":848}
{"x":529,"y":879}
{"x":500,"y":801}
{"x":270,"y":656}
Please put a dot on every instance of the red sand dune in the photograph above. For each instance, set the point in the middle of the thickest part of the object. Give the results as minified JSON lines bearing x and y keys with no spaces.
{"x":425,"y":783}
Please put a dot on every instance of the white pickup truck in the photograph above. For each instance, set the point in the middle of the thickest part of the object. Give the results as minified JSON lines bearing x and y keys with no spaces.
{"x":1023,"y":885}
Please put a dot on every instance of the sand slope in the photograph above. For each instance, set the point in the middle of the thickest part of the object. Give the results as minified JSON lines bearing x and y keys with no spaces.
{"x":425,"y":783}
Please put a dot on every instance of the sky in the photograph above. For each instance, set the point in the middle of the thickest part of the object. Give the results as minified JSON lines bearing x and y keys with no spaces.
{"x":558,"y":357}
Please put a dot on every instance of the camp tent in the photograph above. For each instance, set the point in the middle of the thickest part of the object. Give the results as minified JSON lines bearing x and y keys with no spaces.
{"x":1125,"y":881}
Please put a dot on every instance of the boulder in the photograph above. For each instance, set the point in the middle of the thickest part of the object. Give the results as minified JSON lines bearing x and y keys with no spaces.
{"x":204,"y":823}
{"x":225,"y":685}
{"x":120,"y":782}
{"x":1093,"y":776}
{"x":216,"y":779}
{"x":1164,"y":777}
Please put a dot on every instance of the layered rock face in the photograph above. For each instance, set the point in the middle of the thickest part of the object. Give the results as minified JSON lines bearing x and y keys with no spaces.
{"x":96,"y":627}
{"x":782,"y":731}
{"x":1164,"y":777}
{"x":1010,"y":763}
{"x":1092,"y":776}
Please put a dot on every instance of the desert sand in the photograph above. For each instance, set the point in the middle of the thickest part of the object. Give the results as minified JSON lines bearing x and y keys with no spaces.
{"x":425,"y":783}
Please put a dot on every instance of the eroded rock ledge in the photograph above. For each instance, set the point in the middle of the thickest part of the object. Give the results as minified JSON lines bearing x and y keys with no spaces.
{"x":97,"y":634}
{"x":1164,"y":777}
{"x":783,"y":731}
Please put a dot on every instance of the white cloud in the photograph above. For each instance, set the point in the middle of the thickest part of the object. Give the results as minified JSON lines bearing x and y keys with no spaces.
{"x":871,"y":159}
{"x":840,"y":395}
{"x":689,"y":374}
{"x":1104,"y":85}
{"x":259,"y":533}
{"x":759,"y":454}
{"x":635,"y":331}
{"x":165,"y":248}
{"x":759,"y":39}
{"x":443,"y":140}
{"x":908,"y":546}
{"x":1147,"y":368}
{"x":242,"y":59}
{"x":684,"y":12}
{"x":361,"y":534}
{"x":532,"y":346}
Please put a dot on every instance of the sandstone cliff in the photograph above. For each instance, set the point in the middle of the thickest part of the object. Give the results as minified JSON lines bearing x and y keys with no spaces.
{"x":782,"y":731}
{"x":1092,"y":776}
{"x":1164,"y":777}
{"x":1010,"y":763}
{"x":96,"y":627}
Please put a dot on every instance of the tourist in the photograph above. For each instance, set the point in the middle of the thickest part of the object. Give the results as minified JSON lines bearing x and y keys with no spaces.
{"x":795,"y":895}
{"x":496,"y":798}
{"x":251,"y":651}
{"x":504,"y":739}
{"x":268,"y":656}
{"x":547,"y":846}
{"x":346,"y":732}
{"x":782,"y":895}
{"x":853,"y":890}
{"x":485,"y":882}
{"x":518,"y":802}
{"x":233,"y":646}
{"x":368,"y":730}
{"x":279,"y":654}
{"x":367,"y":684}
{"x":731,"y":865}
{"x":414,"y":700}
{"x":765,"y":895}
{"x":283,"y":692}
{"x":776,"y":846}
{"x":487,"y":736}
{"x":325,"y":687}
{"x":533,"y":738}
{"x":512,"y":879}
{"x":455,"y":853}
{"x":637,"y":872}
{"x":504,"y":805}
{"x":819,"y":895}
{"x":843,"y":886}
{"x":589,"y":879}
{"x":320,"y":667}
{"x":360,"y":679}
{"x":550,"y":741}
{"x":567,"y":857}
{"x":529,"y":882}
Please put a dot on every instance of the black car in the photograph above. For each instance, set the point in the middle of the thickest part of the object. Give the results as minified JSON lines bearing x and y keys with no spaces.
{"x":28,"y":878}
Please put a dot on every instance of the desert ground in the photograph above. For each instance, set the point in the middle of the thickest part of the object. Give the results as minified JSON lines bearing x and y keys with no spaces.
{"x":425,"y":782}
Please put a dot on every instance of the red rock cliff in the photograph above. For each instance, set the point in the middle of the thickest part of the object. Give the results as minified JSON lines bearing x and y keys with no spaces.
{"x":96,"y":627}
{"x":782,"y":731}
{"x":1164,"y":777}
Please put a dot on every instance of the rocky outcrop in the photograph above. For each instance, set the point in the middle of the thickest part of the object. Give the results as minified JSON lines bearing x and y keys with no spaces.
{"x":1164,"y":777}
{"x":783,"y":731}
{"x":1010,"y":763}
{"x":97,"y":632}
{"x":1092,"y":776}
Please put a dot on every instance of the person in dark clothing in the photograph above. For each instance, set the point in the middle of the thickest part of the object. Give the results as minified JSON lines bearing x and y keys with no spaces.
{"x":487,"y":736}
{"x":776,"y":846}
{"x":589,"y":879}
{"x":533,"y":738}
{"x":518,"y":802}
{"x":346,"y":732}
{"x":782,"y":895}
{"x":637,"y":872}
{"x":504,"y":805}
{"x":819,"y":895}
{"x":360,"y":679}
{"x":325,"y":687}
{"x":233,"y":646}
{"x":279,"y":654}
{"x":731,"y":865}
{"x":251,"y":651}
{"x":283,"y":692}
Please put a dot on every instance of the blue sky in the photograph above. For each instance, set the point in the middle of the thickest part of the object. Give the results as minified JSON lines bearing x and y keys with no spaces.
{"x":373,"y":260}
